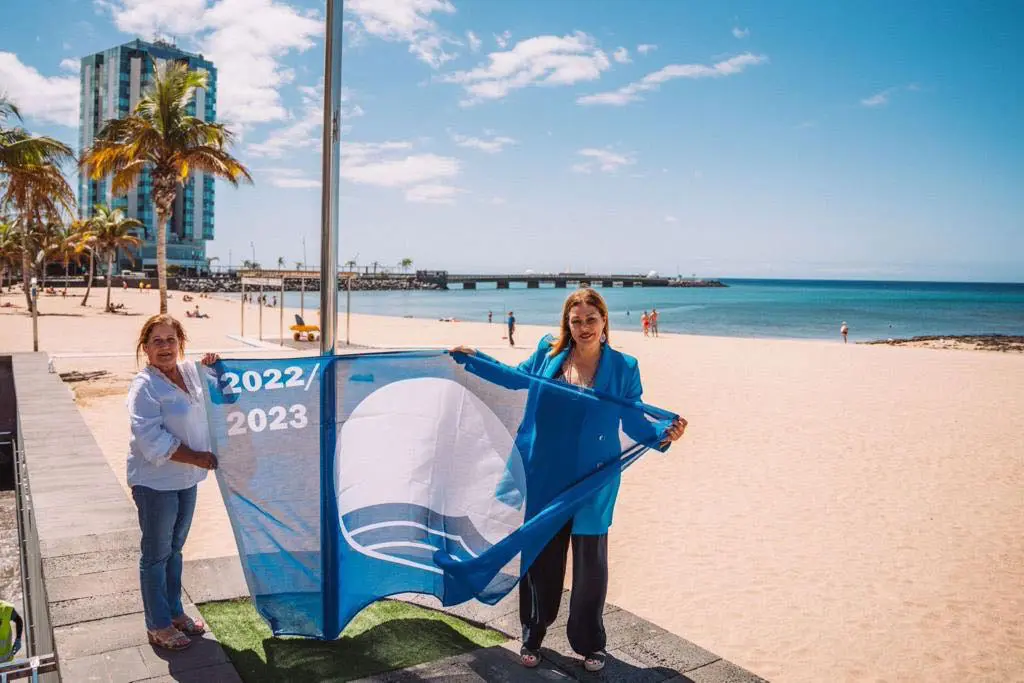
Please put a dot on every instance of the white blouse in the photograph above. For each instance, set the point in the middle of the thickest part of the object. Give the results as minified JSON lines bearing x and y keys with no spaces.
{"x":162,"y":418}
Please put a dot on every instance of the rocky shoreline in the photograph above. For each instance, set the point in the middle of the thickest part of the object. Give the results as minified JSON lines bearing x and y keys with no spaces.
{"x":970,"y":342}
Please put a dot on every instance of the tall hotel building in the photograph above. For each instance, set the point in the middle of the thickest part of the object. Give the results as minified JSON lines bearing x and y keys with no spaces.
{"x":111,"y":84}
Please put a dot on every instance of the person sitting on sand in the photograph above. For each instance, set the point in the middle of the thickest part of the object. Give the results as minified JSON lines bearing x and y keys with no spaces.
{"x":169,"y":454}
{"x":580,"y":356}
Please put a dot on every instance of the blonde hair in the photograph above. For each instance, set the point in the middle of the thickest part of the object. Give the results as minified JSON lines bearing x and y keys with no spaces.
{"x":161,"y":319}
{"x":587,"y":296}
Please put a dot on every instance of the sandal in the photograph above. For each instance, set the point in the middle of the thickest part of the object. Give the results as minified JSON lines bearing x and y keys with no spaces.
{"x":169,"y":639}
{"x":189,"y":626}
{"x":529,"y":658}
{"x":594,"y":662}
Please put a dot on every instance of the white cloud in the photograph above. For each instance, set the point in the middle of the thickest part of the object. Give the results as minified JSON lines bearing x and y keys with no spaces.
{"x":389,"y":164}
{"x":249,"y":38}
{"x":621,"y":56}
{"x":602,"y":160}
{"x":156,"y":18}
{"x":740,"y":33}
{"x":433,"y":194}
{"x":71,"y":65}
{"x":246,"y":40}
{"x":306,"y":130}
{"x":474,"y":42}
{"x":497,"y":201}
{"x":289,"y":178}
{"x":52,"y":99}
{"x":541,"y":61}
{"x":66,"y":45}
{"x":503,"y":39}
{"x":405,"y":21}
{"x":493,"y":145}
{"x":653,"y":81}
{"x":644,"y":48}
{"x":879,"y":99}
{"x":671,"y":219}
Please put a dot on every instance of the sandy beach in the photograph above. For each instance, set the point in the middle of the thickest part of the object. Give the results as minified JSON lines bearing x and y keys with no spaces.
{"x":834,"y":513}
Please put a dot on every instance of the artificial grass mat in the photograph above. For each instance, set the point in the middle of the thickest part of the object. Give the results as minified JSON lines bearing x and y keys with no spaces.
{"x":387,"y":635}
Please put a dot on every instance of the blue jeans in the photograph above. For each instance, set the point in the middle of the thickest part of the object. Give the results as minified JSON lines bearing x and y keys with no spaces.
{"x":165,"y":518}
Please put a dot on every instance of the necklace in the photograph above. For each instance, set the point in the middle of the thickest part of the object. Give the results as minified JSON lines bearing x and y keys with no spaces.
{"x":581,"y":380}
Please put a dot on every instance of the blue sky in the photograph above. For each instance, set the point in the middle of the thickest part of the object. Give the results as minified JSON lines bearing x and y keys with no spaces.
{"x":874,"y":140}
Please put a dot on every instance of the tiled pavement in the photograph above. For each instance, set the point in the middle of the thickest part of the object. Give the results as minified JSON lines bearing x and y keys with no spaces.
{"x":89,"y":541}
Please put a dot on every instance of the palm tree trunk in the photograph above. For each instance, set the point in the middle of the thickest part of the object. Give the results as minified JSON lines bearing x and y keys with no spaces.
{"x":65,"y":277}
{"x":26,"y":272}
{"x":88,"y":287}
{"x":110,"y":280}
{"x":161,"y":257}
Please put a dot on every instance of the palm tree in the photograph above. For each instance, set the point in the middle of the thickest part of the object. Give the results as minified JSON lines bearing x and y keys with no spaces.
{"x":9,"y":248}
{"x":19,"y":148}
{"x":280,"y":262}
{"x":161,"y":137}
{"x":405,"y":263}
{"x":112,"y":231}
{"x":68,"y":249}
{"x":31,"y":184}
{"x":86,"y":244}
{"x":38,"y":193}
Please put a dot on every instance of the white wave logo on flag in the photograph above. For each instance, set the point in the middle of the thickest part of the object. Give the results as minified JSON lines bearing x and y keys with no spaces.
{"x":424,"y":465}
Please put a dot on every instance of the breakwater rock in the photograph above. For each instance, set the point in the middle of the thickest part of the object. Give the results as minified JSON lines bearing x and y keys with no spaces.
{"x":359,"y":284}
{"x":696,"y":283}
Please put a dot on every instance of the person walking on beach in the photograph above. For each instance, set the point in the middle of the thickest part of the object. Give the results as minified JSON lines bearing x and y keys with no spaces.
{"x":8,"y":616}
{"x":511,"y":328}
{"x":844,"y":330}
{"x":168,"y":455}
{"x":645,"y":323}
{"x":582,"y":357}
{"x":490,"y":317}
{"x":654,"y":322}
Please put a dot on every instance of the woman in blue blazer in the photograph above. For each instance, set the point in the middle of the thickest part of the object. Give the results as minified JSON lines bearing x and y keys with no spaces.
{"x":580,"y":356}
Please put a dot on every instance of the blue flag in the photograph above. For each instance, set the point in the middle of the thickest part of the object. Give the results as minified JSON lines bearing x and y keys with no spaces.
{"x":348,"y":479}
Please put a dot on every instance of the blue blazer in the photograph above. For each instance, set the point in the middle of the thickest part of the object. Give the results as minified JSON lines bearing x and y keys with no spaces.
{"x":576,"y":436}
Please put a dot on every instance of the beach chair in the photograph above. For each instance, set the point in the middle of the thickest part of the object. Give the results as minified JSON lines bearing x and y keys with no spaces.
{"x":300,"y":329}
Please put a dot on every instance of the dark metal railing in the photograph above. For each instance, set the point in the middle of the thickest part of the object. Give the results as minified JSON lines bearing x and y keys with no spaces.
{"x":41,"y":662}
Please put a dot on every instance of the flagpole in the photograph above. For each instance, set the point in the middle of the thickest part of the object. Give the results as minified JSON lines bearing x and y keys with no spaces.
{"x":329,"y":523}
{"x":329,"y":181}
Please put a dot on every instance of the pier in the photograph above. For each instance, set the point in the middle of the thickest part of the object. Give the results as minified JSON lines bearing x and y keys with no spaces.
{"x":442,"y":279}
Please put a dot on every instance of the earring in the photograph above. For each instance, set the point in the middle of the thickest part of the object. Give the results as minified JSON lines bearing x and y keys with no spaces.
{"x":604,"y":337}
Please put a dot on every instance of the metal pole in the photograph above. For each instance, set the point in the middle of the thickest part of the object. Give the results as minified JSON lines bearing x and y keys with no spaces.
{"x":35,"y":317}
{"x":302,"y":296}
{"x":281,"y":302}
{"x":261,"y":312}
{"x":243,"y":309}
{"x":348,"y":308}
{"x":329,"y":180}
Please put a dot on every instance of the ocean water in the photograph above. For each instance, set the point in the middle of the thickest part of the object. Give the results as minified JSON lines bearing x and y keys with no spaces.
{"x":797,"y":309}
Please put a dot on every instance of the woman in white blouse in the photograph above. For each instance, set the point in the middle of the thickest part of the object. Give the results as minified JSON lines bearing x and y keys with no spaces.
{"x":169,"y":454}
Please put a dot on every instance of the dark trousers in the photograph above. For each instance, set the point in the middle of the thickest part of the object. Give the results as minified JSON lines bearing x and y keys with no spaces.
{"x":511,"y":331}
{"x":540,"y":591}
